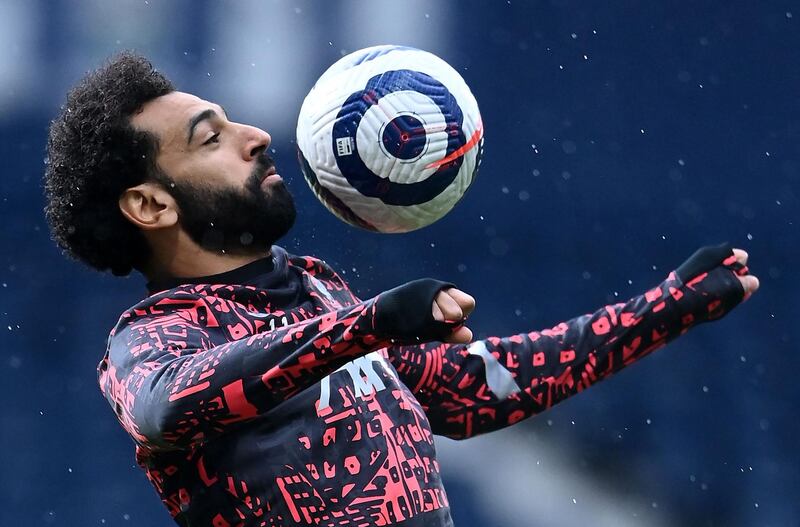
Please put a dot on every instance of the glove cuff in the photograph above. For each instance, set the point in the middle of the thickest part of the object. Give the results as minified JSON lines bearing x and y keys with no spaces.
{"x":405,"y":312}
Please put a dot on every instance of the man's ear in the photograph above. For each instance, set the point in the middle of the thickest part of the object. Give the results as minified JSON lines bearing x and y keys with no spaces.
{"x":149,"y":206}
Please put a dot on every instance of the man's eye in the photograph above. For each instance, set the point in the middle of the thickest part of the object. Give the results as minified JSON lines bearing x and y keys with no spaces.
{"x":213,"y":139}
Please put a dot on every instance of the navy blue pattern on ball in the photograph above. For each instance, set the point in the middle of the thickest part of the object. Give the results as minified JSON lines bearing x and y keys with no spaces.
{"x":404,"y":137}
{"x":365,"y":180}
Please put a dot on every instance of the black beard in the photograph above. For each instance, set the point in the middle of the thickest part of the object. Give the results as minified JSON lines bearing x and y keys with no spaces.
{"x":235,"y":221}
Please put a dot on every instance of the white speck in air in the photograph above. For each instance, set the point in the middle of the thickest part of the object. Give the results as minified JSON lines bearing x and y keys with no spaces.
{"x":681,"y":162}
{"x":648,"y":421}
{"x":749,"y":236}
{"x":705,"y":389}
{"x":574,"y":36}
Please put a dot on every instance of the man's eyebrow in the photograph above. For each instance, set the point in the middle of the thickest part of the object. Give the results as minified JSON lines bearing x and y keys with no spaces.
{"x":202,"y":116}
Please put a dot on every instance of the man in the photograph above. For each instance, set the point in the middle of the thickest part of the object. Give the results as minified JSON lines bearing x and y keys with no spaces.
{"x":258,"y":389}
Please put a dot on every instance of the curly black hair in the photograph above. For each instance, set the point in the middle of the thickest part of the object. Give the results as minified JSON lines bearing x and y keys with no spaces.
{"x":93,"y":155}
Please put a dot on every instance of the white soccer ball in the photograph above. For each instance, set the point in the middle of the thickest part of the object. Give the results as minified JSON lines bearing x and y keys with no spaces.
{"x":390,"y":138}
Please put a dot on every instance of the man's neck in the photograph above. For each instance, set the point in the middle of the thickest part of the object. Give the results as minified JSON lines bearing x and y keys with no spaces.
{"x":200,"y":262}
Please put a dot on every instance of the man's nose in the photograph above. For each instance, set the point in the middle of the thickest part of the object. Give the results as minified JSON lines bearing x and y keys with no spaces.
{"x":256,"y":141}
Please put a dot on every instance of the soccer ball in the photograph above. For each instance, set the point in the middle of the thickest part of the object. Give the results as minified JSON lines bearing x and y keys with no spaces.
{"x":390,"y":138}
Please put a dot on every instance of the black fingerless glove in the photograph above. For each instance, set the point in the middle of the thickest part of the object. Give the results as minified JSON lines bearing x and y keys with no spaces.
{"x":712,"y":271}
{"x":405,"y":312}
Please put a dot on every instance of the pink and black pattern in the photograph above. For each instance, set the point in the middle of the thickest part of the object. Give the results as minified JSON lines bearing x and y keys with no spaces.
{"x":269,"y":397}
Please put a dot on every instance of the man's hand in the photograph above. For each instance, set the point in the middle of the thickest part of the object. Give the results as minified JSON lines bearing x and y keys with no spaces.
{"x":454,"y":305}
{"x":749,"y":282}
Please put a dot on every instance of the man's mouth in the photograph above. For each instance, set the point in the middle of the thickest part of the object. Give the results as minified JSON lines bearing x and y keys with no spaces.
{"x":270,"y":175}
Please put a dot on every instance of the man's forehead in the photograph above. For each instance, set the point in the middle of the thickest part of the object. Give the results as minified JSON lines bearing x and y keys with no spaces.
{"x":169,"y":114}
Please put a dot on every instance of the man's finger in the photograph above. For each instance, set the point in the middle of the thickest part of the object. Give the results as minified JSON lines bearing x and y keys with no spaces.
{"x":741,"y":256}
{"x":463,"y":335}
{"x":449,"y":307}
{"x":750,"y":284}
{"x":465,"y":301}
{"x":437,"y":312}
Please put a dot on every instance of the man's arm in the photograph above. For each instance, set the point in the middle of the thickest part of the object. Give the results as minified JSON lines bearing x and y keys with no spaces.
{"x":171,"y":387}
{"x":476,"y":388}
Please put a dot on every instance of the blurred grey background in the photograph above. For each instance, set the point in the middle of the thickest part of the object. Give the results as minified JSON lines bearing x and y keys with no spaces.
{"x":620,"y":136}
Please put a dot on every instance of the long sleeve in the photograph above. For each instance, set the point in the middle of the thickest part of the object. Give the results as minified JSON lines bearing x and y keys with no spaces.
{"x":489,"y":384}
{"x":171,"y":387}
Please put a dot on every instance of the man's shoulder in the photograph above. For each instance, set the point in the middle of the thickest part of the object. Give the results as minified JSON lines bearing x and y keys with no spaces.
{"x":160,"y":305}
{"x":310,"y":264}
{"x":319,"y":271}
